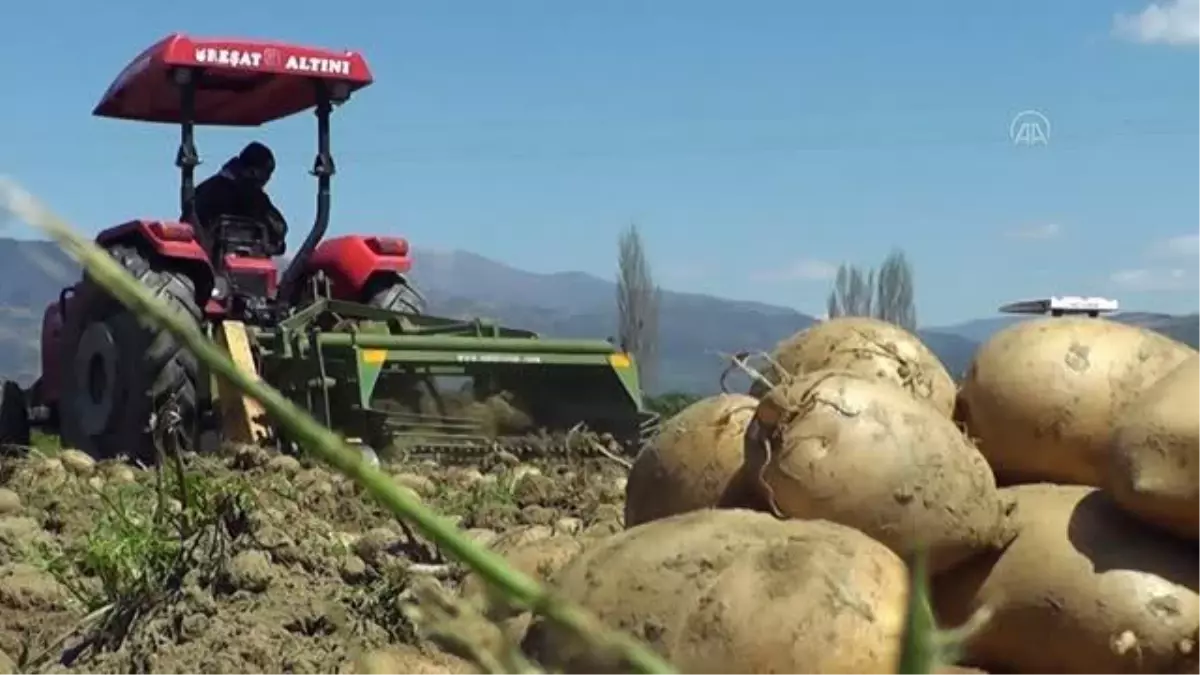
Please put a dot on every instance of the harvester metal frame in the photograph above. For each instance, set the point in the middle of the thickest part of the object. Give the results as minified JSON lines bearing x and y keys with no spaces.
{"x":342,"y":317}
{"x":333,"y":372}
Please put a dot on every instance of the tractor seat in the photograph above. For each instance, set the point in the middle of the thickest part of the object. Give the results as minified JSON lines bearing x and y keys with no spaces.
{"x":243,"y":237}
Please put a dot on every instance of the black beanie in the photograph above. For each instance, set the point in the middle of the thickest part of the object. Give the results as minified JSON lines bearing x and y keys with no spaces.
{"x":258,"y":156}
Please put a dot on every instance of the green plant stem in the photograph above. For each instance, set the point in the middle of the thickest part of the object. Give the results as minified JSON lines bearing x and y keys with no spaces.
{"x":327,"y":445}
{"x":919,"y":652}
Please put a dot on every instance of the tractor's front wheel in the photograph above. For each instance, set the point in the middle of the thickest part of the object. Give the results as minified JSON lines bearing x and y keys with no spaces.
{"x":14,"y":416}
{"x":119,"y":375}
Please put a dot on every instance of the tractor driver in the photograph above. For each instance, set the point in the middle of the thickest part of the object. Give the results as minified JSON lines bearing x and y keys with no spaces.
{"x":237,"y":190}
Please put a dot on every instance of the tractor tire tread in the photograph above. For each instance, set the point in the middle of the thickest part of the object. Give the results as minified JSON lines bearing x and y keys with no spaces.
{"x":395,"y":293}
{"x":164,"y":367}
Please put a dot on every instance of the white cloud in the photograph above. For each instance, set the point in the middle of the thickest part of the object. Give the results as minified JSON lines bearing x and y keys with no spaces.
{"x":1182,"y":246}
{"x":1149,"y":279}
{"x":1041,"y":231}
{"x":805,"y":269}
{"x":1173,"y":22}
{"x":1177,"y":269}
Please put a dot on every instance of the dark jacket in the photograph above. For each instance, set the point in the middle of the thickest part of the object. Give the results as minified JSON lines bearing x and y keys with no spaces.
{"x":224,"y":194}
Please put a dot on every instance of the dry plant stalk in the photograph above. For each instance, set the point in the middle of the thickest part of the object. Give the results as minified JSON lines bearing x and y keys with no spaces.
{"x":597,"y":446}
{"x":741,"y":361}
{"x":913,"y":378}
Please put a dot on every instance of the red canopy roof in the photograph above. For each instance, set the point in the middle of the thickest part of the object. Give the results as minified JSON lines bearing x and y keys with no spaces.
{"x":244,"y":82}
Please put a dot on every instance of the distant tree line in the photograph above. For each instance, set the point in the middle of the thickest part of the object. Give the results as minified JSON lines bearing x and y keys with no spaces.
{"x":886,"y":293}
{"x":638,"y":300}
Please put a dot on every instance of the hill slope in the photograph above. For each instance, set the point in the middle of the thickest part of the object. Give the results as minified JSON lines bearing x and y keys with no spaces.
{"x":696,"y":328}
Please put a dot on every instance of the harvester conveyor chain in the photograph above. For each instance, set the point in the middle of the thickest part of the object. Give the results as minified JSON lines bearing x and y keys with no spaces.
{"x":460,"y":440}
{"x":520,"y":449}
{"x":472,"y":449}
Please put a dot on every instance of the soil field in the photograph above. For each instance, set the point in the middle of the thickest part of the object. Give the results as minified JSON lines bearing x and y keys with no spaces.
{"x":254,"y":562}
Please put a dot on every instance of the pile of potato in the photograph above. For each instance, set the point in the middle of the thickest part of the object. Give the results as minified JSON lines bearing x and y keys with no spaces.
{"x":1057,"y":486}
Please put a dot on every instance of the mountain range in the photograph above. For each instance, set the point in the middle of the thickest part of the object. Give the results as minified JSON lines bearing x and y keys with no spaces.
{"x":695,"y":329}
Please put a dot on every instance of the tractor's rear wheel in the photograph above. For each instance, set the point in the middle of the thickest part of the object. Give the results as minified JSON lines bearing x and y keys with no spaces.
{"x":120,"y":375}
{"x":395,"y":293}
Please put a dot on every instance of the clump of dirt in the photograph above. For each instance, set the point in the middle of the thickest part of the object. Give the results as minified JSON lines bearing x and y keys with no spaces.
{"x":251,"y":561}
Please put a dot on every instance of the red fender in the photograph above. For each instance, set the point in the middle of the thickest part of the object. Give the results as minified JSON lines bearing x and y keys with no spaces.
{"x":350,"y":261}
{"x":168,"y":239}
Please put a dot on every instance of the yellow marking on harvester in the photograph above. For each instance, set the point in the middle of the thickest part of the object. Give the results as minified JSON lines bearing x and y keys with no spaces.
{"x":374,"y":356}
{"x":620,"y":360}
{"x":241,"y":415}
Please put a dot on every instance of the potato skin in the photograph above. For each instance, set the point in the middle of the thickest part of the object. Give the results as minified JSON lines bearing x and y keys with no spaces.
{"x":1041,"y":396}
{"x":1154,"y":467}
{"x":871,"y":347}
{"x":530,"y":550}
{"x":1084,"y":588}
{"x":735,"y":591}
{"x":688,"y":463}
{"x":534,"y":551}
{"x":859,"y":451}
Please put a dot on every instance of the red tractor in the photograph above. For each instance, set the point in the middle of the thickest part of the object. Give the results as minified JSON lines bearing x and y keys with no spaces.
{"x":104,"y":374}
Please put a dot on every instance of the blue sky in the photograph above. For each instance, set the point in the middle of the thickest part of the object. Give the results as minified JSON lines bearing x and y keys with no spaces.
{"x":757,"y":143}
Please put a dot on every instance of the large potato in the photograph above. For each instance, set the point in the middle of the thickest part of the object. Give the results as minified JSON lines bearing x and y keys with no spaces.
{"x":688,"y":463}
{"x":861,"y":452}
{"x":867,"y":346}
{"x":534,"y":551}
{"x":1082,"y":589}
{"x":734,"y":591}
{"x":1154,"y":469}
{"x":1042,"y":396}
